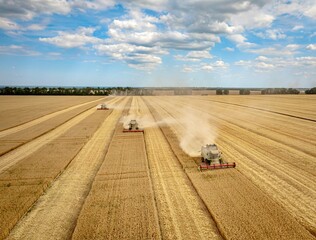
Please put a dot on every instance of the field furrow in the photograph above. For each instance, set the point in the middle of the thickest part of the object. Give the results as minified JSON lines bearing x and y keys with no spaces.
{"x":55,"y":213}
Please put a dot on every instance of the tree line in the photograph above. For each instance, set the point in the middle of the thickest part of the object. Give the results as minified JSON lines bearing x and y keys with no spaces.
{"x":61,"y":91}
{"x":122,"y":91}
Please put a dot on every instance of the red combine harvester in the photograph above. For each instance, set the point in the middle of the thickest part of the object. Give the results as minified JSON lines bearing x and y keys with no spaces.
{"x":212,"y":158}
{"x":102,"y":107}
{"x":133,"y":127}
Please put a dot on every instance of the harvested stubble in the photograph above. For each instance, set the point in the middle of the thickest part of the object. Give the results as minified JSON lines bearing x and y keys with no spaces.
{"x":182,"y":214}
{"x":293,"y":105}
{"x":55,"y":213}
{"x":23,"y":183}
{"x":121,"y":202}
{"x":15,"y":110}
{"x":240,"y":209}
{"x":276,"y":152}
{"x":18,"y":138}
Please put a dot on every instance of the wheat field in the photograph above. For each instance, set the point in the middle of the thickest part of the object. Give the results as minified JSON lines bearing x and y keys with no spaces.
{"x":67,"y":170}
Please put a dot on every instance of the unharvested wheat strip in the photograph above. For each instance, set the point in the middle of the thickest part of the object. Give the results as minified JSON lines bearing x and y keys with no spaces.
{"x":121,"y":194}
{"x":54,"y":215}
{"x":42,"y":119}
{"x":25,"y":150}
{"x":181,"y":212}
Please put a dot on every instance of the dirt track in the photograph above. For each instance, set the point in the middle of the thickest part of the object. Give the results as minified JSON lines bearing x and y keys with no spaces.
{"x":148,"y":183}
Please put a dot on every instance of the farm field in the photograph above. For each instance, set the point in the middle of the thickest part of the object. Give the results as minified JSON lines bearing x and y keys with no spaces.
{"x":68,"y":171}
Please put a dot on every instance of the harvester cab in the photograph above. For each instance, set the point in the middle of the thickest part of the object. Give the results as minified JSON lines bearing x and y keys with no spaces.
{"x":102,"y":107}
{"x":211,"y":158}
{"x":133,"y":127}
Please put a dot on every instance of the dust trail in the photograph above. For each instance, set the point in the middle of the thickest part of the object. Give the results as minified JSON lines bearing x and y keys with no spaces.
{"x":197,"y":131}
{"x":195,"y":128}
{"x":144,"y":120}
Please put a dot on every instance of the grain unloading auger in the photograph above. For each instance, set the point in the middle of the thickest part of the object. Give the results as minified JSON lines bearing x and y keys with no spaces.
{"x":102,"y":107}
{"x":211,"y":158}
{"x":133,"y":127}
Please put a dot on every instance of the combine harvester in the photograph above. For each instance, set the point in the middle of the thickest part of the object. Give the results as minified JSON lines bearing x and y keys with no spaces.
{"x":212,"y":158}
{"x":133,"y":127}
{"x":102,"y":107}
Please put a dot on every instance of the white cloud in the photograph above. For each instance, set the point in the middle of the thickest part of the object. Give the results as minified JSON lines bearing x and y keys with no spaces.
{"x":311,"y":47}
{"x":17,"y":50}
{"x":81,"y":37}
{"x":139,"y":57}
{"x":92,"y":4}
{"x":214,"y":66}
{"x":276,"y":50}
{"x":255,"y":18}
{"x":297,"y":27}
{"x":188,"y":69}
{"x":28,"y":9}
{"x":311,"y":12}
{"x":7,"y":24}
{"x":194,"y":56}
{"x":273,"y":34}
{"x":240,"y":40}
{"x":229,"y":49}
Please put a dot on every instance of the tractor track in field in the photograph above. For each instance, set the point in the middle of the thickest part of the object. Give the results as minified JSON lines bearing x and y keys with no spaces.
{"x":196,"y":181}
{"x":32,"y":145}
{"x":261,"y":109}
{"x":22,"y":126}
{"x":182,"y":213}
{"x":55,"y":213}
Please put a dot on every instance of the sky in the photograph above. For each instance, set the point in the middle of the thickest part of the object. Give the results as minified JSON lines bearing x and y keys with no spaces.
{"x":158,"y":43}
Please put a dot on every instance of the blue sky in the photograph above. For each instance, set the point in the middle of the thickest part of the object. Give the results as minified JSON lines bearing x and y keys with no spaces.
{"x":199,"y":43}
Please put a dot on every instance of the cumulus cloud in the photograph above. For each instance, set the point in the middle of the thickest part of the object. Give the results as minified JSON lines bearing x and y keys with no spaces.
{"x":139,"y":57}
{"x":311,"y":47}
{"x":81,"y":37}
{"x":214,"y":66}
{"x":273,"y":34}
{"x":7,"y":24}
{"x":27,"y":9}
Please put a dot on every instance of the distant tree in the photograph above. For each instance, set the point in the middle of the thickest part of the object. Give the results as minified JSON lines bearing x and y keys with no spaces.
{"x":311,"y":91}
{"x":219,"y":92}
{"x":226,"y":92}
{"x":292,"y":91}
{"x":244,"y":91}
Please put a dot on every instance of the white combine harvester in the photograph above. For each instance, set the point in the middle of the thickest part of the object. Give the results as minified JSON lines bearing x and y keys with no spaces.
{"x":102,"y":107}
{"x":211,"y":158}
{"x":133,"y":127}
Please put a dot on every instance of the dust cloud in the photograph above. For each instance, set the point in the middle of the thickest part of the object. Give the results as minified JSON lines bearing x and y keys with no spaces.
{"x":197,"y":131}
{"x":145,"y":121}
